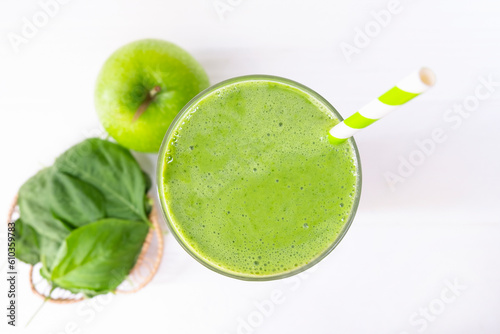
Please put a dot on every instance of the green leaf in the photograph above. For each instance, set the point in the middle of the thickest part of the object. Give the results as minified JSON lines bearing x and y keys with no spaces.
{"x":48,"y":251}
{"x":27,"y":245}
{"x":35,"y":209}
{"x":45,"y":273}
{"x":98,"y":257}
{"x":113,"y":171}
{"x":92,"y":180}
{"x":147,"y":181}
{"x":34,"y":205}
{"x":148,"y":205}
{"x":148,"y":202}
{"x":75,"y":202}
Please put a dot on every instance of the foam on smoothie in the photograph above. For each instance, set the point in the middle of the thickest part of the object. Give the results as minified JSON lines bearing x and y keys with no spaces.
{"x":252,"y":184}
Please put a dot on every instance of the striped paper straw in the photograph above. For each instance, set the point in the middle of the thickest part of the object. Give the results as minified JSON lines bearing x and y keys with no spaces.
{"x":410,"y":87}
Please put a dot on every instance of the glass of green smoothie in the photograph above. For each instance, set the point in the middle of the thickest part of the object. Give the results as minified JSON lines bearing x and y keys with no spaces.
{"x":248,"y":182}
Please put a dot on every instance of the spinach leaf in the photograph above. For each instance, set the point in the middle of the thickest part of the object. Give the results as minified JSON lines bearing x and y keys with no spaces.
{"x":97,"y":257}
{"x":147,"y":181}
{"x":75,"y":202}
{"x":27,"y":246}
{"x":34,"y":206}
{"x":48,"y":251}
{"x":35,"y":201}
{"x":113,"y":171}
{"x":148,"y":202}
{"x":63,"y":209}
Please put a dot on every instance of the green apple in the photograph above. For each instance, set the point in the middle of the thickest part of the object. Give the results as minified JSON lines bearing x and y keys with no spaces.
{"x":142,"y":87}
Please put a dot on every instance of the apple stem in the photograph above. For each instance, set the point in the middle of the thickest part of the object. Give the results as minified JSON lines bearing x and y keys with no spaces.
{"x":147,"y":101}
{"x":154,"y":91}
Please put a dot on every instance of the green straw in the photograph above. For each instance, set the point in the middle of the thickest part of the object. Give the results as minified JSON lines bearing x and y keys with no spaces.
{"x":407,"y":89}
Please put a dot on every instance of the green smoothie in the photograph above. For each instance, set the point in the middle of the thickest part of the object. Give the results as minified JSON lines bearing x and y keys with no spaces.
{"x":249,"y":182}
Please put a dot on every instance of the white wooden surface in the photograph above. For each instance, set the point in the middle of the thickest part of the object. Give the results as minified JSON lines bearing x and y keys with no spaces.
{"x":440,"y":226}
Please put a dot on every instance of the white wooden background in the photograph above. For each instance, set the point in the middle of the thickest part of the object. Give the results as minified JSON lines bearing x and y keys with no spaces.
{"x":409,"y":242}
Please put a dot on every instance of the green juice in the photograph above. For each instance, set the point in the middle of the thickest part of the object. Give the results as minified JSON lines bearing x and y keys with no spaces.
{"x":250,"y":184}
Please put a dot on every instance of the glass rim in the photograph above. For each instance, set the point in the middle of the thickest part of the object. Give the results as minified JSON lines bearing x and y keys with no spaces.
{"x":161,"y":162}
